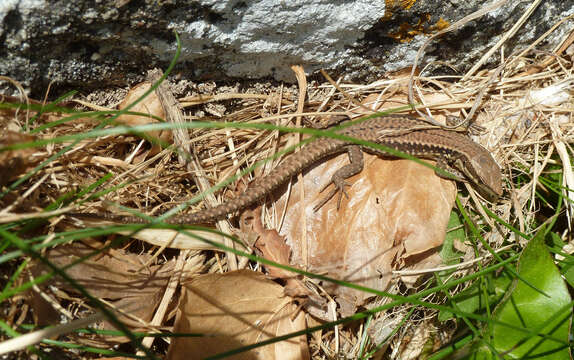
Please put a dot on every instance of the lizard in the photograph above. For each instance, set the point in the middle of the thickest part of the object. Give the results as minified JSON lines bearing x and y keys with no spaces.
{"x":454,"y":152}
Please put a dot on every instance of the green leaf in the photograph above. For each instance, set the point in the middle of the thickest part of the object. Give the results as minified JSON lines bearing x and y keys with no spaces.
{"x":539,"y":314}
{"x":569,"y":274}
{"x":472,"y":298}
{"x":455,"y":232}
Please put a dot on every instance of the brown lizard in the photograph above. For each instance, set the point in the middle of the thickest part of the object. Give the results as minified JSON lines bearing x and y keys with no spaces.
{"x":454,"y":152}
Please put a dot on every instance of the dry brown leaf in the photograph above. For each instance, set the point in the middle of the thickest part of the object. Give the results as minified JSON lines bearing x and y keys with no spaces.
{"x":271,"y":246}
{"x":15,"y":162}
{"x":233,"y":310}
{"x":116,"y":276}
{"x":269,"y":243}
{"x":396,"y":209}
{"x":150,"y":105}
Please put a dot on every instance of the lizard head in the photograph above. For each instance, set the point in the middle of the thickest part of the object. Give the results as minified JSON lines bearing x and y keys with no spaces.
{"x":483,"y":171}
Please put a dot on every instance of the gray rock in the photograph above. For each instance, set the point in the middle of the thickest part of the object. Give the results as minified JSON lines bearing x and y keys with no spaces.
{"x":90,"y":44}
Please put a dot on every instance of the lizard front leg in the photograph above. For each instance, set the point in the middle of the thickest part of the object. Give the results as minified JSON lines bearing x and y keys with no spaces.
{"x":444,"y":164}
{"x":354,"y":167}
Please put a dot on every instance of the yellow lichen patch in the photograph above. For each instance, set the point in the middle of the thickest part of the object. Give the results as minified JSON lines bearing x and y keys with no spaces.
{"x":392,"y":5}
{"x":441,"y":24}
{"x":403,"y":4}
{"x":407,"y":32}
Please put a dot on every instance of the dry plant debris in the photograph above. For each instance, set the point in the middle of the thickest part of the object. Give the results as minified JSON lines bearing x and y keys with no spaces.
{"x":391,"y":221}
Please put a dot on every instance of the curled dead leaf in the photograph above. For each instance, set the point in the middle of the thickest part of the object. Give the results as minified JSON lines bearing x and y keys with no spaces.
{"x":232,"y":310}
{"x":271,"y":246}
{"x":15,"y":162}
{"x":150,"y":105}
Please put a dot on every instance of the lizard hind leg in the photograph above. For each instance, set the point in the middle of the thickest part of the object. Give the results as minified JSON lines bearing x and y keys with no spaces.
{"x":339,"y":185}
{"x":354,"y":167}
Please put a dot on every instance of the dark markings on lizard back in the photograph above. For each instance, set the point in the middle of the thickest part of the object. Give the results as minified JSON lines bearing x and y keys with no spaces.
{"x":456,"y":151}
